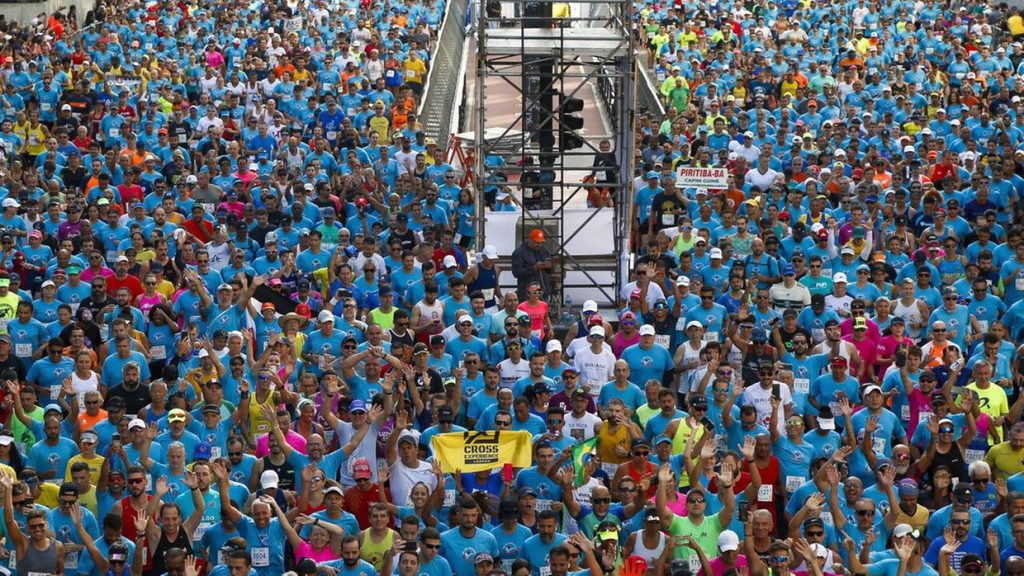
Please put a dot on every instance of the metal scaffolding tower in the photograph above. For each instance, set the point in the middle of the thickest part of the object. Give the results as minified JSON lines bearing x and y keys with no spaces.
{"x":549,"y":56}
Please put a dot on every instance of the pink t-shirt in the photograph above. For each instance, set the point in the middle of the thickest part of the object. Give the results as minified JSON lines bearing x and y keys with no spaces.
{"x":294,"y":439}
{"x":537,"y":314}
{"x":718,"y":566}
{"x":887,"y":347}
{"x":620,"y":343}
{"x":306,"y":550}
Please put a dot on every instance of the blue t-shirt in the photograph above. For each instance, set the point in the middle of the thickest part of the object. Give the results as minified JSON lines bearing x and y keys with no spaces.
{"x":460,"y":551}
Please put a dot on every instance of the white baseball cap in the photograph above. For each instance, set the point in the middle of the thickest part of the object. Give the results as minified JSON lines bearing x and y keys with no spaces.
{"x":597,"y":330}
{"x":590,"y":306}
{"x":647,"y":330}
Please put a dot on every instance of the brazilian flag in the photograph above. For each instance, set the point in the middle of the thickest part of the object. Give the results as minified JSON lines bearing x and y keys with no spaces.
{"x":581,"y":454}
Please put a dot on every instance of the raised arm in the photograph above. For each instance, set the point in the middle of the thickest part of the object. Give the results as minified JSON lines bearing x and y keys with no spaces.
{"x":13,"y":531}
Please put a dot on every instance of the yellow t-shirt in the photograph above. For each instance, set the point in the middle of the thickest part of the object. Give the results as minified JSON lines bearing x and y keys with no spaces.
{"x":1016,"y":25}
{"x":49,"y":495}
{"x":414,"y":71}
{"x":95,"y":464}
{"x":993,"y":402}
{"x":918,"y":520}
{"x":1004,"y":460}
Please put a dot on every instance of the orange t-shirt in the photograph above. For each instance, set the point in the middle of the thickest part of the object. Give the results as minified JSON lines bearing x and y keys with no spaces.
{"x":86,"y":422}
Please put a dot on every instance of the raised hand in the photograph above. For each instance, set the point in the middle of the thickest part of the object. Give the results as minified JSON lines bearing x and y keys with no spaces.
{"x":220,"y":472}
{"x":152,"y":431}
{"x":725,"y":475}
{"x":816,"y":502}
{"x":76,"y":513}
{"x":303,"y":520}
{"x":992,"y":538}
{"x":374,"y":413}
{"x":664,"y":473}
{"x":845,"y":407}
{"x":191,"y":569}
{"x":190,"y":479}
{"x":141,"y":520}
{"x":161,"y":486}
{"x":749,"y":444}
{"x":709,"y":450}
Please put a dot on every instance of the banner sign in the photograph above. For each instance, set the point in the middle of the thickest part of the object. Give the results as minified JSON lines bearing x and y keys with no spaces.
{"x":688,"y":177}
{"x":478,"y":451}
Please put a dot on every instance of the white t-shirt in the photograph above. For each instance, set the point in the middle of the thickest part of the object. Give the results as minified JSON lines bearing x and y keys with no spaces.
{"x":761,"y":399}
{"x":403,"y":478}
{"x":594,"y":369}
{"x":580,"y":429}
{"x":511,"y":373}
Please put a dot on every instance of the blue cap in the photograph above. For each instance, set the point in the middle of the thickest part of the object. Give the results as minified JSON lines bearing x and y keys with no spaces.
{"x":202,"y":451}
{"x":661,"y":439}
{"x":788,"y":270}
{"x":357,"y":405}
{"x":653,"y":174}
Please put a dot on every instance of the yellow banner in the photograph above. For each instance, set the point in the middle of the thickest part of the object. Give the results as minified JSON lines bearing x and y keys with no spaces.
{"x":476,"y":451}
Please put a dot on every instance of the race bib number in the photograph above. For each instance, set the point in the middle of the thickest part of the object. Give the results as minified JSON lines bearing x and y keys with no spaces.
{"x":765,"y":493}
{"x":22,"y":350}
{"x":878,"y":445}
{"x":410,"y":74}
{"x":209,"y":208}
{"x":905,"y":412}
{"x":104,"y":332}
{"x":261,"y":557}
{"x":543,"y":504}
{"x":158,"y":352}
{"x":974,"y":455}
{"x":826,"y":517}
{"x":608,"y":468}
{"x":200,"y":531}
{"x":181,"y":139}
{"x":594,"y":388}
{"x":711,"y":336}
{"x":664,"y":339}
{"x":55,"y":391}
{"x":694,"y":562}
{"x":71,"y":561}
{"x":1019,"y":283}
{"x":113,"y":133}
{"x":390,"y":74}
{"x":794,"y":482}
{"x":449,"y":498}
{"x":332,"y":135}
{"x":45,"y":106}
{"x":802,"y":385}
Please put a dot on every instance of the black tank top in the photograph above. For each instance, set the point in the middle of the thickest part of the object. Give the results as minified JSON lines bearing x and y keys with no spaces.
{"x":159,"y":565}
{"x":285,"y":473}
{"x":408,"y":339}
{"x":953,"y":460}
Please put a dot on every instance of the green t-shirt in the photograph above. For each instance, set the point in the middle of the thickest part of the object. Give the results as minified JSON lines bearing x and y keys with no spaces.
{"x":705,"y":534}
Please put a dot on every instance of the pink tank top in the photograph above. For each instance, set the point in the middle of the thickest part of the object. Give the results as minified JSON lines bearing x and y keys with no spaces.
{"x":147,"y":303}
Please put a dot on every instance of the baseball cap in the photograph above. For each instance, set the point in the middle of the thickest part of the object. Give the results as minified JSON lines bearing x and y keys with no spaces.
{"x":728,"y":541}
{"x":553,"y":346}
{"x":361,"y":469}
{"x":646,"y":330}
{"x":357,"y":406}
{"x":268,"y":479}
{"x":177,"y":415}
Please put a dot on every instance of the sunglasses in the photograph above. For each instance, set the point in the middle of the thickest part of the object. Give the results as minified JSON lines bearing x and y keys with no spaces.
{"x":432,"y":546}
{"x":134,"y":481}
{"x":641,"y":453}
{"x":694,"y":500}
{"x":815,"y":534}
{"x":865,"y":512}
{"x":602,"y":500}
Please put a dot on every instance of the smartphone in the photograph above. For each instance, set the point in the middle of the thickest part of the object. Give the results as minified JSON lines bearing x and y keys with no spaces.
{"x":786,"y":367}
{"x":506,"y":472}
{"x":901,"y":358}
{"x":777,"y":391}
{"x":744,"y":511}
{"x":410,"y":546}
{"x":707,"y":423}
